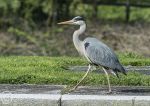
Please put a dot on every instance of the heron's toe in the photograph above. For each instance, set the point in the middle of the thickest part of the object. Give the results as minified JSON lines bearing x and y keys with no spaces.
{"x":109,"y":92}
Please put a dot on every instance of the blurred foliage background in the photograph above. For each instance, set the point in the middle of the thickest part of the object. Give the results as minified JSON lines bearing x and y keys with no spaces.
{"x":29,"y":27}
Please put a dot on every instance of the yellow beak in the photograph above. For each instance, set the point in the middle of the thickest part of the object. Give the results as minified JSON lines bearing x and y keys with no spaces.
{"x":66,"y":22}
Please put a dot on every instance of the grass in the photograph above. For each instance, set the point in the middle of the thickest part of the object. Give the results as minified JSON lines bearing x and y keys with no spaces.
{"x":50,"y":70}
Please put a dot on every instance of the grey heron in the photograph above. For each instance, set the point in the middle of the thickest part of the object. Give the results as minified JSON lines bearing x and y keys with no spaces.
{"x":96,"y":52}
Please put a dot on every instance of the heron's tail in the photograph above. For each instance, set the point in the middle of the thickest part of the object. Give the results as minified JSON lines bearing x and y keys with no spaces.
{"x":122,"y":70}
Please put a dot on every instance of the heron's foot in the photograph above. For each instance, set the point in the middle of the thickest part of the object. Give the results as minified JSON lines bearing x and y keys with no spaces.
{"x":68,"y":90}
{"x":73,"y":89}
{"x":109,"y":92}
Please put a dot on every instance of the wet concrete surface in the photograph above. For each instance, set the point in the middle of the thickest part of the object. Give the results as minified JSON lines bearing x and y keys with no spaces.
{"x":30,"y":89}
{"x":140,"y":69}
{"x":81,"y":90}
{"x":116,"y":90}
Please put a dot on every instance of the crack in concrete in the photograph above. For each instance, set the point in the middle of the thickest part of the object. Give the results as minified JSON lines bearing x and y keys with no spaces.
{"x":60,"y":101}
{"x":133,"y":101}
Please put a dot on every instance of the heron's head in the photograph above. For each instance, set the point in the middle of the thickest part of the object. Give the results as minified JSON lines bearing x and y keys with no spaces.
{"x":75,"y":21}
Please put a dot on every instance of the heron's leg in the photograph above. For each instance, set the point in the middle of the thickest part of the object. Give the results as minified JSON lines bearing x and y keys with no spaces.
{"x":107,"y":79}
{"x":82,"y":78}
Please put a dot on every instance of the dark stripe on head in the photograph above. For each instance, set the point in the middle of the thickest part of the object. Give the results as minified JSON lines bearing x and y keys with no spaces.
{"x":78,"y":18}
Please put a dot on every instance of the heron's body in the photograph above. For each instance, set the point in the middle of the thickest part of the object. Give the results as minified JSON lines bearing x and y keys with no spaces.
{"x":96,"y":52}
{"x":100,"y":54}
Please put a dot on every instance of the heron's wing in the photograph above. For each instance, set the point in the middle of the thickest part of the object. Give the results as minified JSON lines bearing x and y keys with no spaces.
{"x":100,"y":54}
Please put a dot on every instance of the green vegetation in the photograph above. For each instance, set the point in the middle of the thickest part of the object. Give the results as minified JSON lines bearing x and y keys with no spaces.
{"x":51,"y":70}
{"x":28,"y":27}
{"x":114,"y":13}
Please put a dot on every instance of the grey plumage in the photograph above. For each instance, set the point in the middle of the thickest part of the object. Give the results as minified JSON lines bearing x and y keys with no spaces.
{"x":100,"y":54}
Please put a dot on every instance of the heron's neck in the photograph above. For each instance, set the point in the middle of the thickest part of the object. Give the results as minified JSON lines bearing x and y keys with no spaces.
{"x":77,"y":42}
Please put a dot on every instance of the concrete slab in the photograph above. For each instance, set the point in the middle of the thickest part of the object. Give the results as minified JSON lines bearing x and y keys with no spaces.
{"x":116,"y":90}
{"x":31,"y":89}
{"x":30,"y":95}
{"x":29,"y":100}
{"x":98,"y":100}
{"x":50,"y":95}
{"x":81,"y":90}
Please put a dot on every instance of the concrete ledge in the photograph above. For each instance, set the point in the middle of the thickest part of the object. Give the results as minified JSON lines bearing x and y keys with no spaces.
{"x":29,"y":100}
{"x":72,"y":100}
{"x":95,"y":100}
{"x":50,"y":95}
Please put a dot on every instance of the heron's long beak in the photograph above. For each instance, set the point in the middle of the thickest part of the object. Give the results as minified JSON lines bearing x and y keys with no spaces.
{"x":66,"y":22}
